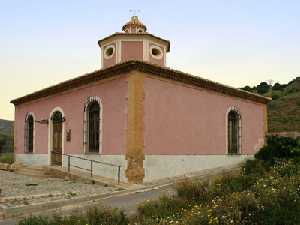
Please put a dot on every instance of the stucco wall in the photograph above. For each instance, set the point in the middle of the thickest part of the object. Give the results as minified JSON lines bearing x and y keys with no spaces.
{"x":113,"y":94}
{"x":132,"y":50}
{"x":165,"y":166}
{"x":184,"y":120}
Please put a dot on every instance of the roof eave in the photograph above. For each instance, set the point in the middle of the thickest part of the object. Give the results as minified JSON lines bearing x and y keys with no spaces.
{"x":146,"y":68}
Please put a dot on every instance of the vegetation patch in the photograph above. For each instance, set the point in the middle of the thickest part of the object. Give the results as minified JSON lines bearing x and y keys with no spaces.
{"x":265,"y":191}
{"x":93,"y":216}
{"x":284,"y":109}
{"x":7,"y":158}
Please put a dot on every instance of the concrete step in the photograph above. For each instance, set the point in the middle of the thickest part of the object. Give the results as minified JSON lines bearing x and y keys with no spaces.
{"x":34,"y":171}
{"x":80,"y":176}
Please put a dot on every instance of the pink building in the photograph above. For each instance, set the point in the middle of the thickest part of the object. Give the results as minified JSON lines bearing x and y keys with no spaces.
{"x":135,"y":112}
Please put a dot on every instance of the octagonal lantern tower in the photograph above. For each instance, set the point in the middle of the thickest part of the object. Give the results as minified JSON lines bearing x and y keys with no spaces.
{"x":134,"y":43}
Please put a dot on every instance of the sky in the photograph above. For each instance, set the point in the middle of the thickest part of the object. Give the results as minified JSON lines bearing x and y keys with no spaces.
{"x":237,"y":43}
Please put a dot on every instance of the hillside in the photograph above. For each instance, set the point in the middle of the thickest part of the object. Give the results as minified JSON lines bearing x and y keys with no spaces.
{"x":6,"y":126}
{"x":6,"y":135}
{"x":284,"y":109}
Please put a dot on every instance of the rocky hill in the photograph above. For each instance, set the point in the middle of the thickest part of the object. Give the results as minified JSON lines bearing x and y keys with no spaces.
{"x":284,"y":109}
{"x":6,"y":135}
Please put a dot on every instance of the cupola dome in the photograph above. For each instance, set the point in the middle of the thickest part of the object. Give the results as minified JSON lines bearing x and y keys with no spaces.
{"x":134,"y":43}
{"x":134,"y":26}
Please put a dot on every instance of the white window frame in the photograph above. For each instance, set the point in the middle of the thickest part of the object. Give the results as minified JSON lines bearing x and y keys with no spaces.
{"x":86,"y":128}
{"x":235,"y":109}
{"x":26,"y":134}
{"x":50,"y":134}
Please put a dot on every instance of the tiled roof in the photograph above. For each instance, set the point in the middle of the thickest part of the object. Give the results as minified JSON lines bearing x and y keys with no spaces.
{"x":151,"y":69}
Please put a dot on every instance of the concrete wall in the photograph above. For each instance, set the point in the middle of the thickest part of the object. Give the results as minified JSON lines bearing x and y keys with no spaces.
{"x":98,"y":169}
{"x":33,"y":159}
{"x":166,"y":166}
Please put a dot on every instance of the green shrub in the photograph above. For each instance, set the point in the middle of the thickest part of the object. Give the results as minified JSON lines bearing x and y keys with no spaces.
{"x":279,"y":147}
{"x":280,"y":198}
{"x":93,"y":216}
{"x":35,"y":221}
{"x":275,"y":96}
{"x":255,"y":167}
{"x":162,"y":208}
{"x":7,"y":158}
{"x":193,"y":190}
{"x":232,"y":183}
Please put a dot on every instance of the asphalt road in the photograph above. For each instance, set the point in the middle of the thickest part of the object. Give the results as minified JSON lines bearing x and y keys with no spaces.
{"x":127,"y":201}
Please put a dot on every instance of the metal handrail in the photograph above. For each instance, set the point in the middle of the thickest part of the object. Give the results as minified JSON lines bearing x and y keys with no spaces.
{"x":91,"y":164}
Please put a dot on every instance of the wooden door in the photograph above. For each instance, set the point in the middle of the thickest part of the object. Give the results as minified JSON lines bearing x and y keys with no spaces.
{"x":57,"y":125}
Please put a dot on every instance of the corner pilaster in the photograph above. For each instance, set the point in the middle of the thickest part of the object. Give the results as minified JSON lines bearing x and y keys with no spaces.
{"x":135,"y":128}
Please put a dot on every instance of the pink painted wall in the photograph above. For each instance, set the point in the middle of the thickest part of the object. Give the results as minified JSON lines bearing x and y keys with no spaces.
{"x":184,"y":120}
{"x":132,"y":50}
{"x":113,"y":94}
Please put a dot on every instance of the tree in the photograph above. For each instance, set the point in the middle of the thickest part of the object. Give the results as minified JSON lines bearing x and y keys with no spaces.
{"x":2,"y":142}
{"x":247,"y":88}
{"x":263,"y":88}
{"x":278,"y":87}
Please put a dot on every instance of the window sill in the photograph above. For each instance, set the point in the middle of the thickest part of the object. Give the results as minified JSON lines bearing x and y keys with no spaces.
{"x":92,"y":153}
{"x":234,"y":154}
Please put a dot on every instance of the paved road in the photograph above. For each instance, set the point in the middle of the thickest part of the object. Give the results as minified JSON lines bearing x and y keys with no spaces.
{"x":130,"y":202}
{"x":127,"y":201}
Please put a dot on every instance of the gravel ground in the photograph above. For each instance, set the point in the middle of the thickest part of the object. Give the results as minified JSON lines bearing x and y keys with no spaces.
{"x":16,"y":185}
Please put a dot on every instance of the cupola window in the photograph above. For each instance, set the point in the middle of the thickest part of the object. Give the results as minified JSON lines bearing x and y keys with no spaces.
{"x":109,"y":51}
{"x":156,"y":52}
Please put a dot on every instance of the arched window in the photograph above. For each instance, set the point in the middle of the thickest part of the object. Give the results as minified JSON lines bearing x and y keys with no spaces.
{"x":29,"y":133}
{"x":234,"y":132}
{"x":93,"y":124}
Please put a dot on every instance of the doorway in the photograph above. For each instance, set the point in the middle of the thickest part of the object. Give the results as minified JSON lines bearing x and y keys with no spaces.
{"x":57,"y":138}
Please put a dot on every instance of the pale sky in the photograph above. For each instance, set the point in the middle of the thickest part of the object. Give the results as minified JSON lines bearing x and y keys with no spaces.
{"x":237,"y":43}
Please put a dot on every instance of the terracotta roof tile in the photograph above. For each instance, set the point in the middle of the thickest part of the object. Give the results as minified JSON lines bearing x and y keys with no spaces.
{"x":146,"y":68}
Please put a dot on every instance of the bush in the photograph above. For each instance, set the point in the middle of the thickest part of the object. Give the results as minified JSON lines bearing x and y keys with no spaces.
{"x":279,"y":147}
{"x":93,"y":216}
{"x":231,"y":183}
{"x":275,"y":96}
{"x":7,"y":158}
{"x":193,"y":190}
{"x":255,"y":167}
{"x":162,"y":208}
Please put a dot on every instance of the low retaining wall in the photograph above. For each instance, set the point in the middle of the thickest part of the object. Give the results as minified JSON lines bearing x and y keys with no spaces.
{"x":100,"y":169}
{"x":166,"y":166}
{"x":33,"y":159}
{"x":156,"y":167}
{"x":294,"y":134}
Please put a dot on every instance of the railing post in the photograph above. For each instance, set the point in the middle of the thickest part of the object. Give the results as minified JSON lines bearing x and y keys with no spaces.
{"x":91,"y":168}
{"x":119,"y":174}
{"x":69,"y":163}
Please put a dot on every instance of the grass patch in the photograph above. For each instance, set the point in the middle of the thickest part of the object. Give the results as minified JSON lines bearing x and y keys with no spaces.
{"x":93,"y":216}
{"x":7,"y":158}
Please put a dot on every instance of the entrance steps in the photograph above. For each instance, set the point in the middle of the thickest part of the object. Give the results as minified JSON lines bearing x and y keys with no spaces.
{"x":84,"y":177}
{"x":74,"y":175}
{"x":33,"y":171}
